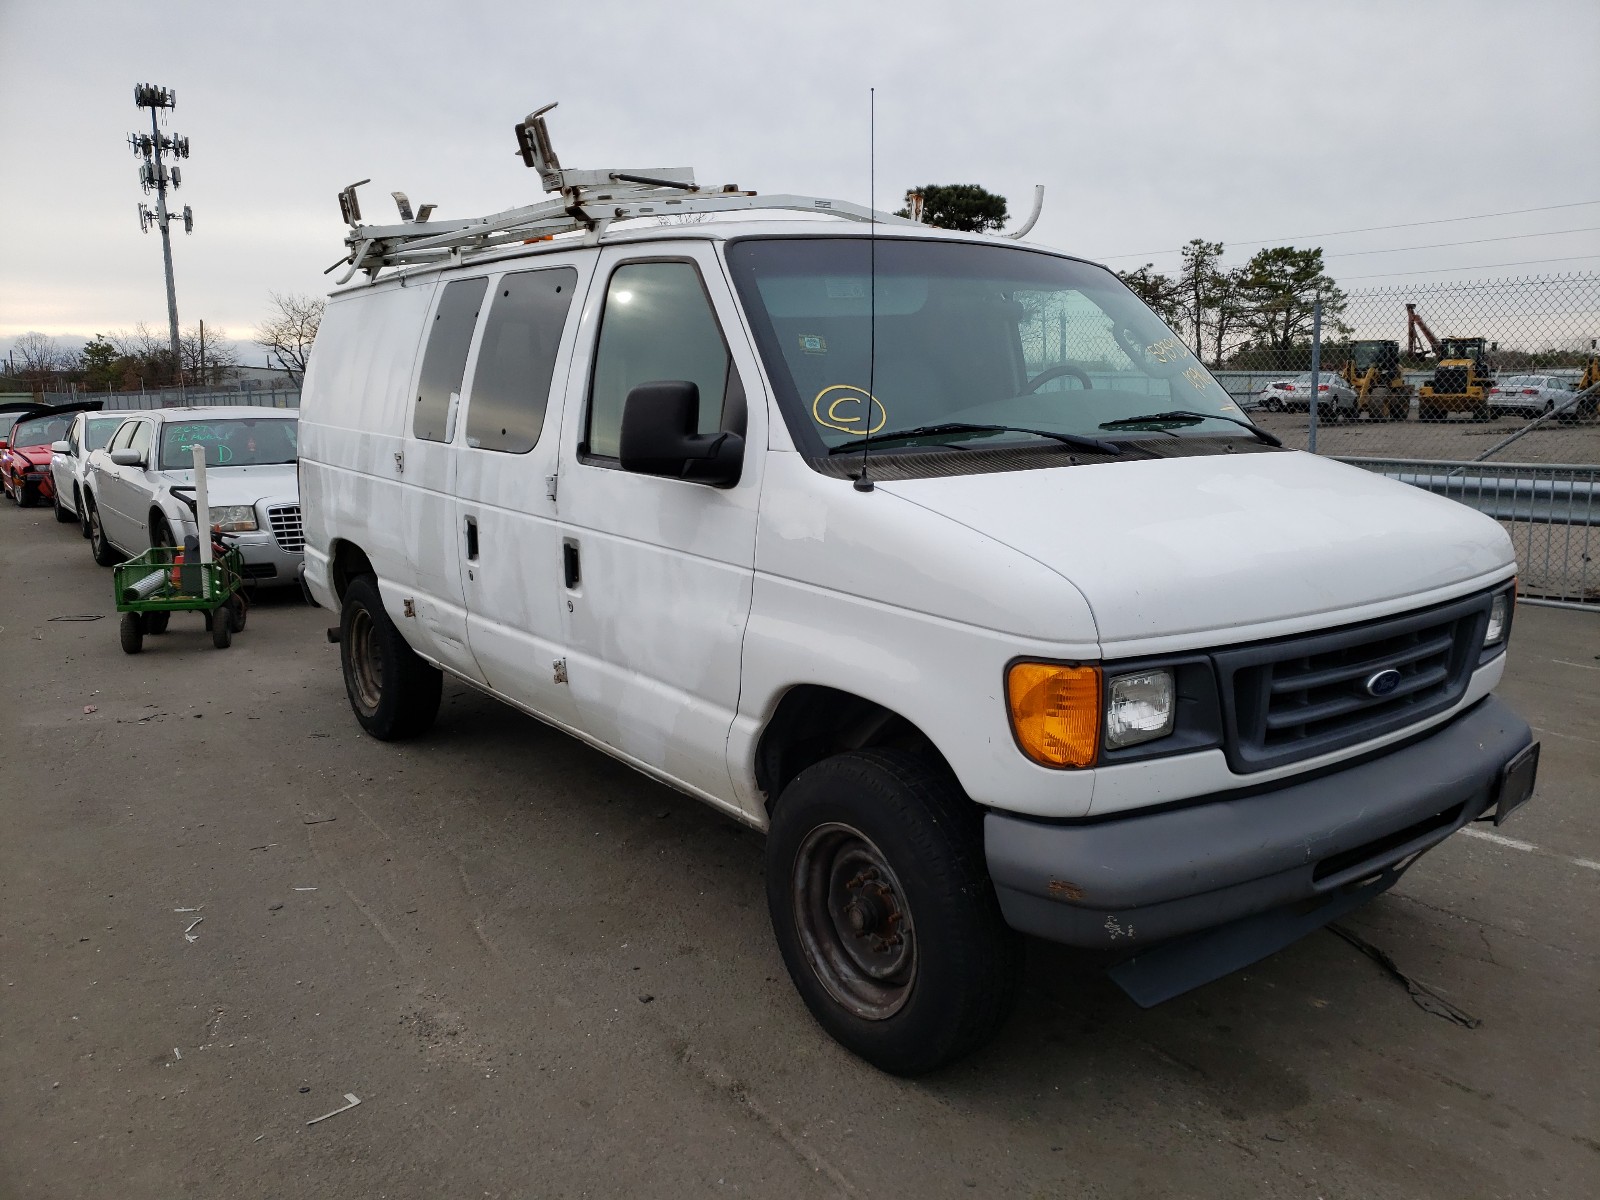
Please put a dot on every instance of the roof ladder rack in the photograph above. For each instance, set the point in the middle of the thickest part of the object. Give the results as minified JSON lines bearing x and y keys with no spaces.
{"x":589,"y":201}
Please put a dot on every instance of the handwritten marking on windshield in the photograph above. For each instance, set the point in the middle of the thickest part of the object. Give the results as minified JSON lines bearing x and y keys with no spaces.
{"x":830,"y":416}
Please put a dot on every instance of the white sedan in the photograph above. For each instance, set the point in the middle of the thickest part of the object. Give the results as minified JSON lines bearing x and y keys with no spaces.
{"x":1532,"y":395}
{"x":69,"y":461}
{"x":1294,"y":395}
{"x":251,"y":483}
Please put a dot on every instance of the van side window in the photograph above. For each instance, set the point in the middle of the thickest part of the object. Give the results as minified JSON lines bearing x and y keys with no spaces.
{"x":511,"y":385}
{"x":446,"y":356}
{"x":657,"y":325}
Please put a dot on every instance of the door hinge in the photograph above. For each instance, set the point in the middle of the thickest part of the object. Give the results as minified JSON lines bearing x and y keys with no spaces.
{"x":400,"y":461}
{"x":409,"y":607}
{"x":560,"y":668}
{"x":550,"y":486}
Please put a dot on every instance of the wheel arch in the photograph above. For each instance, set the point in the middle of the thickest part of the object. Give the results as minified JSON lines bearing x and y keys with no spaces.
{"x":812,"y":722}
{"x":347,"y":562}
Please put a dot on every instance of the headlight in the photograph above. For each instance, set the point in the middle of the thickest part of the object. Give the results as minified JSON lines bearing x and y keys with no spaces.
{"x":1499,"y":617}
{"x":234,"y":518}
{"x":1055,"y":712}
{"x":1139,"y":708}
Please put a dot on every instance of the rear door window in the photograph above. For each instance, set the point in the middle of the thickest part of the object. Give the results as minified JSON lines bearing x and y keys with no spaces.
{"x":446,"y":358}
{"x":521,"y":338}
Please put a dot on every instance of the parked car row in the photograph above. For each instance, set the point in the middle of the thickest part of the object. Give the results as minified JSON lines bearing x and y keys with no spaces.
{"x":1523,"y":395}
{"x":115,"y":474}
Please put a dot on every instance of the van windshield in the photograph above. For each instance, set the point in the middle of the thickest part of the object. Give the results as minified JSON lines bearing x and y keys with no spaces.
{"x":966,"y":334}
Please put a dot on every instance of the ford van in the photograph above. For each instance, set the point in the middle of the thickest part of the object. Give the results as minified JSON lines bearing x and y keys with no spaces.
{"x":935,"y":556}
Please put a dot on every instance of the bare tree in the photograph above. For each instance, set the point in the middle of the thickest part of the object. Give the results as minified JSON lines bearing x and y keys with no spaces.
{"x":288,"y":332}
{"x":38,"y":358}
{"x":206,"y":356}
{"x":148,"y":356}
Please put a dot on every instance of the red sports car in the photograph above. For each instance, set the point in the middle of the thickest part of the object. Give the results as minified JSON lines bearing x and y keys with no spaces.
{"x":25,"y":462}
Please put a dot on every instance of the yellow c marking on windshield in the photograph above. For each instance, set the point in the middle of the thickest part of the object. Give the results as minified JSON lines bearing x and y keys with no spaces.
{"x":830,"y":417}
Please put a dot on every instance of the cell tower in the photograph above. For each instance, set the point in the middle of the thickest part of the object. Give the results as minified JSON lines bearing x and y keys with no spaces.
{"x":155,"y":176}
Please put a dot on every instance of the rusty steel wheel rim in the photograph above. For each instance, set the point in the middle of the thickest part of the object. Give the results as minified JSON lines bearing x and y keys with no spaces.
{"x":366,"y":669}
{"x":854,"y":922}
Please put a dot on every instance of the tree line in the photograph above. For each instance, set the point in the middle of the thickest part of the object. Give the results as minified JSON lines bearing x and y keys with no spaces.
{"x":132,"y":360}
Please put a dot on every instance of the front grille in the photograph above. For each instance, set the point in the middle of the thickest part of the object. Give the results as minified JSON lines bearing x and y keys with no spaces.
{"x":1450,"y":381}
{"x":286,"y":526}
{"x":259,"y":571}
{"x":1298,"y":697}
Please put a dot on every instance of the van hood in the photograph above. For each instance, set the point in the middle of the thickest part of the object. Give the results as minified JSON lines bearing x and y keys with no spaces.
{"x":1244,"y":545}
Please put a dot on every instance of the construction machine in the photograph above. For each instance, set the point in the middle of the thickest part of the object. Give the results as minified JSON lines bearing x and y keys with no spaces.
{"x":1373,"y":373}
{"x":1461,"y":375}
{"x":1587,"y":403}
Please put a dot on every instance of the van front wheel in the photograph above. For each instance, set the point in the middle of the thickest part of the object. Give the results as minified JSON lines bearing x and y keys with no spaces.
{"x":885,"y":913}
{"x":394,"y":693}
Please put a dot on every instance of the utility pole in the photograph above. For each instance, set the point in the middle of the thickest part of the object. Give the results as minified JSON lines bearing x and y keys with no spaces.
{"x":155,"y":176}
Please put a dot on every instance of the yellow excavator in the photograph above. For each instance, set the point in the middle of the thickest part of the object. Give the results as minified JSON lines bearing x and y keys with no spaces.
{"x":1373,"y":373}
{"x":1461,"y":375}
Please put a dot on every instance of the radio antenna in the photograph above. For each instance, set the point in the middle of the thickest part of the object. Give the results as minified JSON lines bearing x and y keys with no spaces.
{"x":863,"y":480}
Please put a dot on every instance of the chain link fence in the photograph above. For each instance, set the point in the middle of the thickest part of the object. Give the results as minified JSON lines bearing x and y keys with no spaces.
{"x":1486,"y":392}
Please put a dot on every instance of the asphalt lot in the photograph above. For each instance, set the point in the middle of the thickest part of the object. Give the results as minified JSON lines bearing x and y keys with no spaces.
{"x":546,"y":976}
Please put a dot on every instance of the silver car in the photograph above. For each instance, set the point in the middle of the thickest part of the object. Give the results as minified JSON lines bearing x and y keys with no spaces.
{"x":1531,"y":395}
{"x":251,"y":482}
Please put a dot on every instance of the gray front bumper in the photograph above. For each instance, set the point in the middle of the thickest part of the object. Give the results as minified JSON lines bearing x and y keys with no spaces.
{"x":1140,"y":879}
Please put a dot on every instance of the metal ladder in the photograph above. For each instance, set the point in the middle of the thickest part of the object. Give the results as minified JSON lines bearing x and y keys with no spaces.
{"x":589,"y":201}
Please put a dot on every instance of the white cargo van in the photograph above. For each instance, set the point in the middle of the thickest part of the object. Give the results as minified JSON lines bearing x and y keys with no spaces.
{"x":936,"y":556}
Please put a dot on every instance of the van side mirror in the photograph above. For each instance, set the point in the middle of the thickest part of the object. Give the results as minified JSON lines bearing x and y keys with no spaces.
{"x":658,"y":436}
{"x":60,"y":447}
{"x":127,"y":458}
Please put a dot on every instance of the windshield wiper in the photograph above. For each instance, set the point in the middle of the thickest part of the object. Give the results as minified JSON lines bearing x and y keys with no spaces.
{"x":1187,"y":416}
{"x":1075,"y":440}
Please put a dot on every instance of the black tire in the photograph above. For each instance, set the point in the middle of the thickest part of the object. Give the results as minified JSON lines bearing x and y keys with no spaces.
{"x":104,"y":552}
{"x":222,"y":627}
{"x":942,"y":970}
{"x":156,"y":622}
{"x":132,"y":633}
{"x":62,"y":515}
{"x":83,"y":515}
{"x":241,"y":611}
{"x":161,"y":532}
{"x":394,"y":693}
{"x":27,"y":494}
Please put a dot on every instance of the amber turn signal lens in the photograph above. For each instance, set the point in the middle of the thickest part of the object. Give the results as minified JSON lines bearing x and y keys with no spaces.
{"x":1055,"y":712}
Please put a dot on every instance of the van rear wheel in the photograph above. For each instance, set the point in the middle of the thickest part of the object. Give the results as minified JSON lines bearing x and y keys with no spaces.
{"x":884,"y":911}
{"x":394,"y":693}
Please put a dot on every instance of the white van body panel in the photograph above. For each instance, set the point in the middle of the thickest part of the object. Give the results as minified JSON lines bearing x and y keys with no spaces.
{"x":656,"y":624}
{"x":1174,"y":554}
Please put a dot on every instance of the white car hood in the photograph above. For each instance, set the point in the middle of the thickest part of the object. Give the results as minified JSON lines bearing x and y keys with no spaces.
{"x":1235,"y":546}
{"x":243,"y":485}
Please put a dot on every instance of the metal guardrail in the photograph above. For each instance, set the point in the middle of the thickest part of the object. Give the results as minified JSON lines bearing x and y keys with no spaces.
{"x":1550,"y":510}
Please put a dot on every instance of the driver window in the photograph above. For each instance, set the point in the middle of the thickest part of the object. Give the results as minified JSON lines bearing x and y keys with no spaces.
{"x":124,"y":436}
{"x":141,"y":440}
{"x":657,"y":325}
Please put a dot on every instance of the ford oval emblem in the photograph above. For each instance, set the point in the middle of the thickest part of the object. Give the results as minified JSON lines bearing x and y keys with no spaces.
{"x":1382,"y":683}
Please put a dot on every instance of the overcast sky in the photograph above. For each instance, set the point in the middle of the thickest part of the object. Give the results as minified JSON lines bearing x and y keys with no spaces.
{"x":1149,"y":123}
